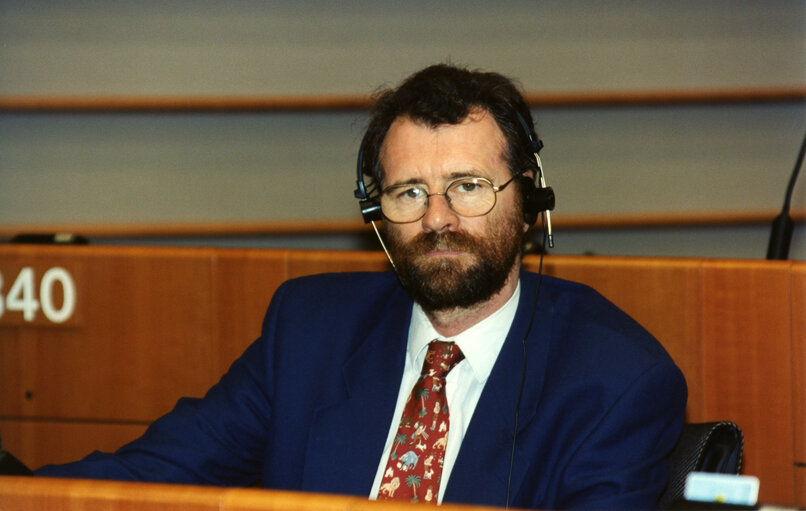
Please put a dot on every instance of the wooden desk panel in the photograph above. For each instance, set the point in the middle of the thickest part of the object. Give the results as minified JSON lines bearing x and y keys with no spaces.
{"x":154,"y":324}
{"x":746,"y":361}
{"x":35,"y":494}
{"x":243,"y":284}
{"x":145,"y":325}
{"x":798,"y":314}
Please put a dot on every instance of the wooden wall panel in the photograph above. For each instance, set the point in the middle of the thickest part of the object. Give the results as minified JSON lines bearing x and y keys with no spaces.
{"x":746,"y":362}
{"x":144,"y":336}
{"x":243,"y":284}
{"x":39,"y":442}
{"x":799,"y":378}
{"x":663,"y":295}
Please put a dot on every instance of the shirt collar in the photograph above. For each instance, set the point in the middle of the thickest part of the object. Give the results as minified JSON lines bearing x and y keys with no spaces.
{"x":480,"y":343}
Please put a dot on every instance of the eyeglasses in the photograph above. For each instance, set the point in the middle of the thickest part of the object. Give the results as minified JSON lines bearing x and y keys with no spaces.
{"x":467,"y":196}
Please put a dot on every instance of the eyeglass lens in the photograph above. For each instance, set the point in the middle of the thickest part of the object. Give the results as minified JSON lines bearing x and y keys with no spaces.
{"x":466,"y":197}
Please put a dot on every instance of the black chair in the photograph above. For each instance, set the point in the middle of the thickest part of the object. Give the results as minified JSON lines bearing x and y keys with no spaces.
{"x":702,"y":447}
{"x":11,"y":466}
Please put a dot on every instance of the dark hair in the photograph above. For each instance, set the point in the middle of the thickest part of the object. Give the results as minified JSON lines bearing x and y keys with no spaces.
{"x":444,"y":94}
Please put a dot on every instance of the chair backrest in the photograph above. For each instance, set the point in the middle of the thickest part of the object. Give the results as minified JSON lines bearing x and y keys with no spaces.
{"x":11,"y":466}
{"x":702,"y":447}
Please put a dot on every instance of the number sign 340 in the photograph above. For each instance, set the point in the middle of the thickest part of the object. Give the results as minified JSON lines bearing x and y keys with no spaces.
{"x":21,"y":295}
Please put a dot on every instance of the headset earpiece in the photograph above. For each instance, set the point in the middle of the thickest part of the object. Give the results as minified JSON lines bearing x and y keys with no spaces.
{"x":537,"y":197}
{"x":535,"y":200}
{"x":370,"y":210}
{"x":370,"y":206}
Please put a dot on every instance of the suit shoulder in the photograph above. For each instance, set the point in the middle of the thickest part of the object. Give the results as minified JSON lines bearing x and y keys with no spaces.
{"x":587,"y":340}
{"x":588,"y":304}
{"x":330,"y":303}
{"x":582,"y":316}
{"x":558,"y":286}
{"x":340,"y":297}
{"x":344,"y":285}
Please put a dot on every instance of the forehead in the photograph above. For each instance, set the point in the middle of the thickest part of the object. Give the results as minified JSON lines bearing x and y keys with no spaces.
{"x":415,"y":152}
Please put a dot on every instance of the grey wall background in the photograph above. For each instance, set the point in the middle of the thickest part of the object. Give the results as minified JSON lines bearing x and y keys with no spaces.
{"x":94,"y":168}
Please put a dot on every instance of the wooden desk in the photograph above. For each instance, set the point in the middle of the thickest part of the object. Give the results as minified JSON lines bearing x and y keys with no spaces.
{"x":36,"y":494}
{"x":152,"y":324}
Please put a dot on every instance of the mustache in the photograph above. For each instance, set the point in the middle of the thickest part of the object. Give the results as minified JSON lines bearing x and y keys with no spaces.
{"x":427,"y":241}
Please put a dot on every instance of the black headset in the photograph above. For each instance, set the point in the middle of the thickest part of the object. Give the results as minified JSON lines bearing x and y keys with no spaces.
{"x":368,"y":195}
{"x":537,"y":197}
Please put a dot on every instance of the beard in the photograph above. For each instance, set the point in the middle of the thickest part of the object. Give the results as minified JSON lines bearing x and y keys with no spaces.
{"x":449,"y":282}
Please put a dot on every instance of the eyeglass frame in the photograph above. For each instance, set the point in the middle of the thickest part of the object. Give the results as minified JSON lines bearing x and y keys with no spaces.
{"x":495,"y":190}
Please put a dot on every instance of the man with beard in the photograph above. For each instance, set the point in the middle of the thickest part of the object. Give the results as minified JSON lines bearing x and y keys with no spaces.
{"x":456,"y":378}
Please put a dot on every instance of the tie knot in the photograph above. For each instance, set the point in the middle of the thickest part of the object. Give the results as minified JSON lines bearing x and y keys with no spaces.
{"x":440,"y":358}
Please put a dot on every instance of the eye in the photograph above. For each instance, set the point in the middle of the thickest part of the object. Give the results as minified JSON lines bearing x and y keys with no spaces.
{"x":408,"y":193}
{"x":468,"y":187}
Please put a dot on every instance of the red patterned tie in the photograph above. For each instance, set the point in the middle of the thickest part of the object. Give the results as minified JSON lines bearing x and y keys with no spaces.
{"x":414,"y":470}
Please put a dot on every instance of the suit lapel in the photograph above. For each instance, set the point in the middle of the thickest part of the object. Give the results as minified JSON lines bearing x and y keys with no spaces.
{"x":483,"y":465}
{"x":347,"y":438}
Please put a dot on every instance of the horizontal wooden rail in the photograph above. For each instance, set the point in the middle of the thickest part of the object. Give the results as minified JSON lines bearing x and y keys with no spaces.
{"x":320,"y":227}
{"x":267,"y":103}
{"x":668,"y":97}
{"x":35,"y":493}
{"x":671,"y":219}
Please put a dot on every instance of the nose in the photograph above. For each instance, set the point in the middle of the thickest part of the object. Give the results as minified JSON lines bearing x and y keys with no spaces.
{"x":439,"y":216}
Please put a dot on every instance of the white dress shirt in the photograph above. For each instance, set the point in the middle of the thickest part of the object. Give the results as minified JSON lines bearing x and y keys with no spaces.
{"x":480,"y":345}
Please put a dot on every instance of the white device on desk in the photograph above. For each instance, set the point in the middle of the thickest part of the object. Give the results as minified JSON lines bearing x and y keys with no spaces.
{"x":722,"y":488}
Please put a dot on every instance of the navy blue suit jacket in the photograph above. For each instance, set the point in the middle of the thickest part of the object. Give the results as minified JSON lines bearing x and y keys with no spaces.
{"x":309,"y":404}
